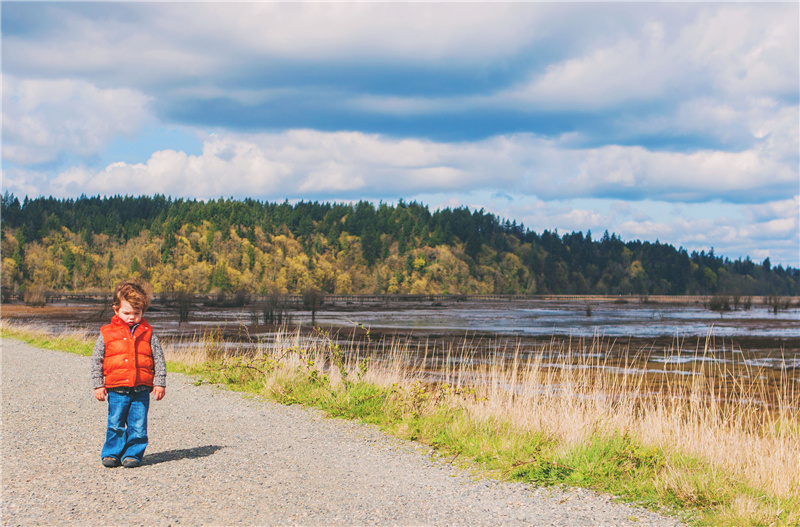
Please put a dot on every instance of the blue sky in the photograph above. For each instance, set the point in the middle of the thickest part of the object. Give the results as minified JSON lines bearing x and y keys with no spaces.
{"x":674,"y":122}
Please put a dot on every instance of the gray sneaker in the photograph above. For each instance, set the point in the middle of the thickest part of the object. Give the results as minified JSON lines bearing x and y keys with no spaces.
{"x":130,"y":462}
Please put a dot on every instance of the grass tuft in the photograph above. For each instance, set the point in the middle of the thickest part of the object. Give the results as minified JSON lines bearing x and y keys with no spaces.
{"x":77,"y":341}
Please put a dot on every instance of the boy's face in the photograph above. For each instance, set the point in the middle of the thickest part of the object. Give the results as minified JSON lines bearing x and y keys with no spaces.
{"x":129,"y":314}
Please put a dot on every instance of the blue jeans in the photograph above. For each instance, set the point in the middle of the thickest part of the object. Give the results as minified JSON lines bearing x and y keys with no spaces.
{"x":126,"y":435}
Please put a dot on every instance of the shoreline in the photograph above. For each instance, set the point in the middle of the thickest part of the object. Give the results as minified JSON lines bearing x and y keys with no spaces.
{"x":229,"y":321}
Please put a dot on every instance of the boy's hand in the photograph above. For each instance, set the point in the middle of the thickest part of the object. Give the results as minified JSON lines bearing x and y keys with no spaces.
{"x":159,"y":392}
{"x":100,"y":393}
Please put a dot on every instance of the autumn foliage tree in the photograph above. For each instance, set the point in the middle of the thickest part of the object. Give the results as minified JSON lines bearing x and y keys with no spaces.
{"x":226,"y":245}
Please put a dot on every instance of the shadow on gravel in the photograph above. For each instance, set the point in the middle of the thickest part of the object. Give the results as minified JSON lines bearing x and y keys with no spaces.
{"x":182,"y":453}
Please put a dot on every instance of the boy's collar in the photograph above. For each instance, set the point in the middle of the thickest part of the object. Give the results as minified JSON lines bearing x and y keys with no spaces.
{"x":115,"y":320}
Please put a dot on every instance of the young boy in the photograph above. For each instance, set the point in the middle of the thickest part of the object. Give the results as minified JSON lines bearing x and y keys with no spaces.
{"x":127,"y":365}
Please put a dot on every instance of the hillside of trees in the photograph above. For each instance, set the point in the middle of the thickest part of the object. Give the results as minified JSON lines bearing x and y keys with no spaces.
{"x":227,"y":245}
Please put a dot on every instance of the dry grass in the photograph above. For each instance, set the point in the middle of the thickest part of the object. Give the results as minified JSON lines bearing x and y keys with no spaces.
{"x":756,"y":442}
{"x":748,"y":429}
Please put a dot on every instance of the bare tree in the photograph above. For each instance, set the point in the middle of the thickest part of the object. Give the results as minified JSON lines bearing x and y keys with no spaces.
{"x":313,"y":299}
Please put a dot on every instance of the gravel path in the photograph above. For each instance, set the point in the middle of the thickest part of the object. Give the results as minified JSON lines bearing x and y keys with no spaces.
{"x":218,"y":458}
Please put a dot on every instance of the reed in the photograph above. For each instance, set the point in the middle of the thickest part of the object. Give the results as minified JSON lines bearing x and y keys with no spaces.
{"x":748,"y":429}
{"x":719,"y":437}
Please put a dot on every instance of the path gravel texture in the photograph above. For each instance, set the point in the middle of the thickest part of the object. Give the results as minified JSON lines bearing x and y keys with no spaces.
{"x":219,"y":458}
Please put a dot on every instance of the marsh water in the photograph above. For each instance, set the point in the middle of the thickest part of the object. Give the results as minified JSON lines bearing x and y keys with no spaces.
{"x":666,"y":337}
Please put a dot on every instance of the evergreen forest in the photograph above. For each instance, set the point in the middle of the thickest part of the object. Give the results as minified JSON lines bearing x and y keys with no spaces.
{"x":227,"y":245}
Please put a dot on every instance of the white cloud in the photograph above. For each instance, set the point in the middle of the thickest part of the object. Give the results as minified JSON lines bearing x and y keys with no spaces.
{"x":788,"y":208}
{"x":153,"y":44}
{"x":623,"y":72}
{"x":133,"y":45}
{"x":727,"y":228}
{"x":22,"y":182}
{"x":680,"y":177}
{"x":351,"y":164}
{"x":296,"y":163}
{"x":726,"y":64}
{"x":755,"y":122}
{"x":747,"y":49}
{"x":44,"y":118}
{"x":737,"y":51}
{"x":608,"y":55}
{"x":395,"y":31}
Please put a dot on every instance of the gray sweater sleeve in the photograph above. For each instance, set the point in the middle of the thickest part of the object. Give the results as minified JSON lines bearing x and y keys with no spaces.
{"x":159,"y":364}
{"x":98,"y":354}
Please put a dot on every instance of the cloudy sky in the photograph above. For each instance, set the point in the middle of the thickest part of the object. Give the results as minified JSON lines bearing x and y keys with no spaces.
{"x":674,"y":122}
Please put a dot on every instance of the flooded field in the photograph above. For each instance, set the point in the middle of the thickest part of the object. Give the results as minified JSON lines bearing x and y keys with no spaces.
{"x":679,"y":340}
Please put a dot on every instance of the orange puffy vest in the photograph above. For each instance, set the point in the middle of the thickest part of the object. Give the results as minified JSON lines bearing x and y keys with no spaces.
{"x":128,"y":359}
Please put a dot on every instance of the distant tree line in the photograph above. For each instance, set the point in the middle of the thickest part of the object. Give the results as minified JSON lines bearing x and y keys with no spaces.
{"x":229,"y":245}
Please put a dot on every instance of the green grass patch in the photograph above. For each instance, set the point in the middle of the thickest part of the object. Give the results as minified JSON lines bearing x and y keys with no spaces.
{"x":179,"y":367}
{"x":66,"y":342}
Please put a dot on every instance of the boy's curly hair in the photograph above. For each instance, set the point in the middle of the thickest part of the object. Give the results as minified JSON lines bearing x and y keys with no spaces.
{"x":136,"y":292}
